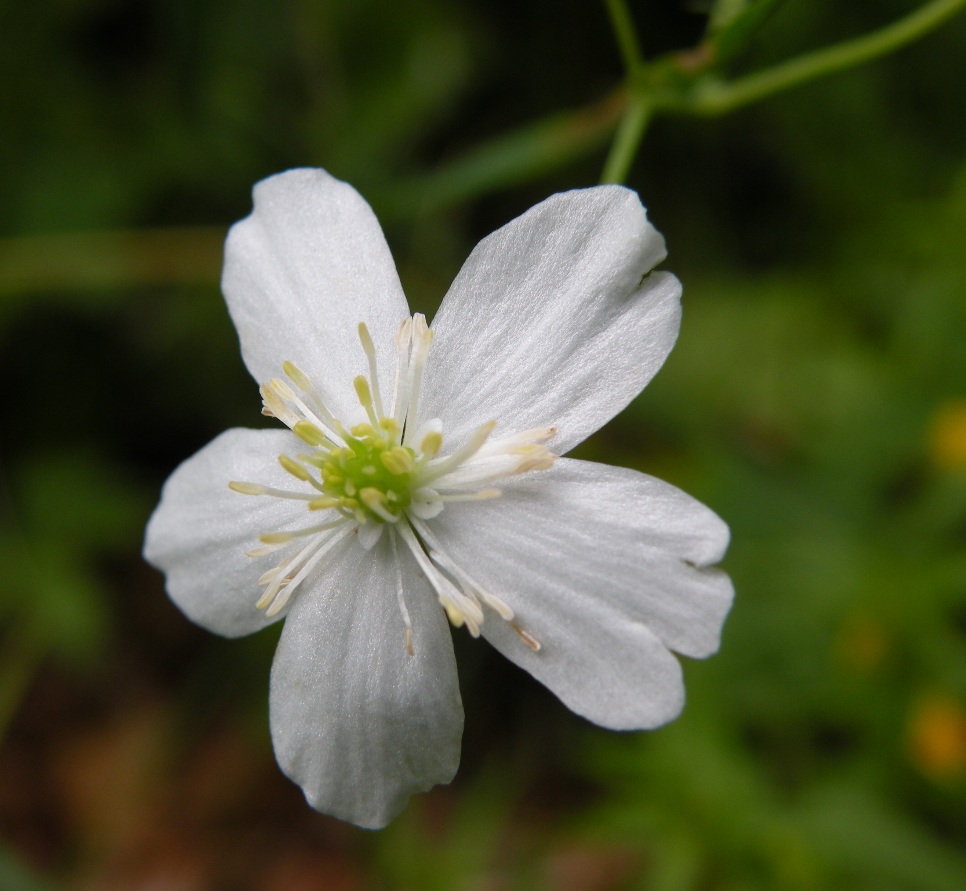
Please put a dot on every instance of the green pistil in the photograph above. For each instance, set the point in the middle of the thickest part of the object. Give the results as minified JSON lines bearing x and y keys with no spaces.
{"x":373,"y":476}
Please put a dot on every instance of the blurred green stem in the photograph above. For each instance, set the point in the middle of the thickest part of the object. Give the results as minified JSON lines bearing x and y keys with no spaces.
{"x":628,"y":138}
{"x":715,"y":97}
{"x":623,"y":25}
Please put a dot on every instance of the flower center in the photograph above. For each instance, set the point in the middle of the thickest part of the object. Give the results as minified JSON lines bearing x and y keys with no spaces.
{"x":386,"y":474}
{"x":373,"y":473}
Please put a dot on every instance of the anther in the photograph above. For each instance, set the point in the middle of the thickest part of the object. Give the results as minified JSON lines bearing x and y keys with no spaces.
{"x":397,"y":460}
{"x":309,"y":433}
{"x":526,"y":637}
{"x":370,"y":350}
{"x":375,"y":501}
{"x":297,"y":470}
{"x":365,"y":398}
{"x":246,"y":488}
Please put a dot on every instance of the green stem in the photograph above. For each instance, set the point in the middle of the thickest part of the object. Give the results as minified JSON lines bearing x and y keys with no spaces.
{"x":716,"y":98}
{"x":623,"y":25}
{"x":628,"y":138}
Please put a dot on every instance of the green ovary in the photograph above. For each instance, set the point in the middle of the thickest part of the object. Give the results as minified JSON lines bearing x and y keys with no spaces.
{"x":373,"y":476}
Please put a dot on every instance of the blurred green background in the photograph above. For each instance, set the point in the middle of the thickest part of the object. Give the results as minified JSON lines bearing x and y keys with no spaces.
{"x":816,"y":400}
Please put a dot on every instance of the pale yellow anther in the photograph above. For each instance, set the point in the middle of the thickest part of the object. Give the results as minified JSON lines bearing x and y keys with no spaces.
{"x":377,"y":502}
{"x":390,"y":426}
{"x":431,"y":444}
{"x":275,"y":537}
{"x":367,"y":345}
{"x":269,"y":576}
{"x":274,"y":406}
{"x":246,"y":488}
{"x":309,"y":433}
{"x":397,"y":460}
{"x":454,"y":615}
{"x":297,"y":376}
{"x":324,"y":503}
{"x":293,"y":467}
{"x":362,"y":391}
{"x":282,"y":389}
{"x":534,"y":457}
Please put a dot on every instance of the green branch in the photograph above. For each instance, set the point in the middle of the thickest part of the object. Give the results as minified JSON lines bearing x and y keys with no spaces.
{"x":628,"y":138}
{"x":716,"y":97}
{"x":623,"y":25}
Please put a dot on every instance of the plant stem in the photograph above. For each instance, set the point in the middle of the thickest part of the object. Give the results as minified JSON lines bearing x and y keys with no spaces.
{"x":716,"y":97}
{"x":623,"y":25}
{"x":623,"y":149}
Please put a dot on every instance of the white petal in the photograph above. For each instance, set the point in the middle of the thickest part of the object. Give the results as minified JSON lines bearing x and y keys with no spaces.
{"x":301,"y":272}
{"x":356,"y":721}
{"x":200,"y":531}
{"x":608,"y":569}
{"x":549,"y":321}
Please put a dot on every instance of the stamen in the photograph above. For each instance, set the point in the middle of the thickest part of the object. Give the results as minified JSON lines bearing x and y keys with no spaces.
{"x":298,"y":471}
{"x":246,"y":488}
{"x":482,"y":495}
{"x":526,"y":637}
{"x":376,"y":502}
{"x":310,"y":434}
{"x":276,"y":408}
{"x":400,"y":397}
{"x":481,"y":471}
{"x":285,"y":591}
{"x":286,"y":394}
{"x":365,"y":398}
{"x":285,"y":537}
{"x":460,"y":608}
{"x":275,"y":577}
{"x":324,"y":503}
{"x":264,"y":550}
{"x":370,"y":350}
{"x":422,"y":341}
{"x":509,"y":443}
{"x":431,"y":444}
{"x":256,"y":489}
{"x":304,"y":383}
{"x":464,"y":452}
{"x":470,"y":586}
{"x":407,"y":623}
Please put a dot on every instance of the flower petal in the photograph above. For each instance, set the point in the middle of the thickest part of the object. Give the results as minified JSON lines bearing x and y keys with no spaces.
{"x":200,"y":531}
{"x":356,"y":721}
{"x":301,"y":272}
{"x":550,"y":322}
{"x":608,"y":569}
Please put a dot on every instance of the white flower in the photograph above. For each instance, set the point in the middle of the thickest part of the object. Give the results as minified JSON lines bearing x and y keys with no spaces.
{"x":420,"y":470}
